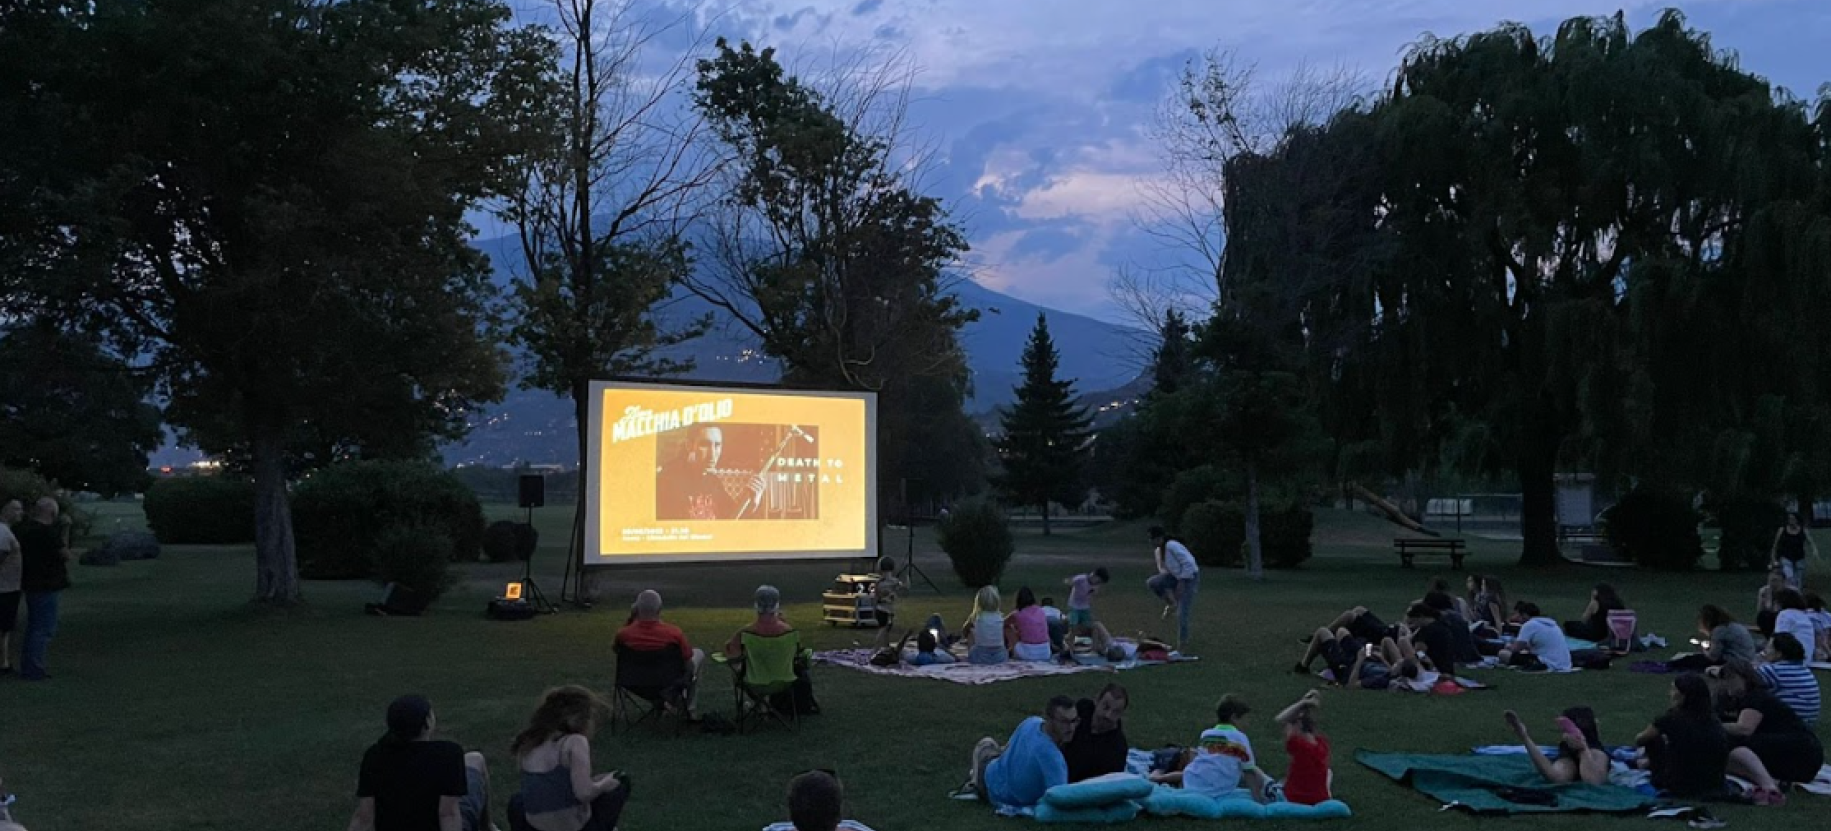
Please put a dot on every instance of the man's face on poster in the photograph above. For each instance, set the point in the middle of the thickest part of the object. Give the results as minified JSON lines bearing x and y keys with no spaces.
{"x":708,"y":445}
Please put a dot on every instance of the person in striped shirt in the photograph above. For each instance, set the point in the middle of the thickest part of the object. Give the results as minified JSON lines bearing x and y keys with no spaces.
{"x":1786,"y":676}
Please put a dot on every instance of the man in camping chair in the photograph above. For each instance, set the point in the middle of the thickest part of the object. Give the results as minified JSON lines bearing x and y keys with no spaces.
{"x":769,"y":665}
{"x":646,"y":637}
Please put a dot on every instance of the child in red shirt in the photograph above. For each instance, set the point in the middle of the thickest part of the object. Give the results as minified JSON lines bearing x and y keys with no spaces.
{"x":1308,"y":781}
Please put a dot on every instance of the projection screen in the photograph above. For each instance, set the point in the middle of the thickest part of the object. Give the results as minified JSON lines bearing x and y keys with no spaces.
{"x":716,"y":474}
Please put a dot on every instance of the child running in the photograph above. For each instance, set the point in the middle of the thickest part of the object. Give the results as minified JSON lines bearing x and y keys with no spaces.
{"x":1309,"y":778}
{"x":1081,"y":591}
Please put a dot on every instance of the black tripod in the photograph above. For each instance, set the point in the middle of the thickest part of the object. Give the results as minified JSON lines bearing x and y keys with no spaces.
{"x":530,"y":590}
{"x":909,"y":563}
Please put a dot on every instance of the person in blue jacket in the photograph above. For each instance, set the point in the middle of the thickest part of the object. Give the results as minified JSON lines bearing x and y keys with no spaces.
{"x":1017,"y":773}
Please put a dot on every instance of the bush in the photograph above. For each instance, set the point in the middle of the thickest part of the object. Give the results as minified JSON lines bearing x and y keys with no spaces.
{"x":1746,"y":526}
{"x":977,"y":542}
{"x":29,"y":487}
{"x":506,"y":540}
{"x":414,"y":556}
{"x":1192,"y":487}
{"x":339,"y":513}
{"x":205,"y":510}
{"x":1655,"y":528}
{"x":1215,"y":532}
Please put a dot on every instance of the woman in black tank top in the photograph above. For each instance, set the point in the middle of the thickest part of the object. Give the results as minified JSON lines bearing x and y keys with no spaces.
{"x":1791,"y":544}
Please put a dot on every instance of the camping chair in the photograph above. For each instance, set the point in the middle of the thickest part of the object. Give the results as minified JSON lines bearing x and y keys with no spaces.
{"x":1622,"y":624}
{"x":766,"y":671}
{"x":648,"y":681}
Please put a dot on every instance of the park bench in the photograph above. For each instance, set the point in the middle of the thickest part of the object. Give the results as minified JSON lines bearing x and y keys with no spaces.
{"x":1409,"y":547}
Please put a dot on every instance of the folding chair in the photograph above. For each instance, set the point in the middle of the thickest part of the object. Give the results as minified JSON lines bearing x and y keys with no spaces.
{"x":766,"y":671}
{"x":648,"y":681}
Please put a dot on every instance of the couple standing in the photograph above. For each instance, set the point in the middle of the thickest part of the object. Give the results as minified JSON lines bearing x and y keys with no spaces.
{"x":1176,"y":581}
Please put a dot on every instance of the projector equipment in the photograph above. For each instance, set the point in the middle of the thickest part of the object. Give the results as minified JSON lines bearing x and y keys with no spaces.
{"x":504,"y":609}
{"x":533,"y":491}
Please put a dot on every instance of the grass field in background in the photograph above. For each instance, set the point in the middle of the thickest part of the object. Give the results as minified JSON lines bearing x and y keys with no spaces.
{"x":176,"y":706}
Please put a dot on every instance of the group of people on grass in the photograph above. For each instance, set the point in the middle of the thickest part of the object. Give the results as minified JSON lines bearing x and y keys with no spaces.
{"x":1076,"y":741}
{"x":1036,"y":629}
{"x":1740,"y":706}
{"x":35,"y":560}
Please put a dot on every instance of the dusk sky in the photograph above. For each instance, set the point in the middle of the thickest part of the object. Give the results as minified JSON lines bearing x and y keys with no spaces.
{"x":1039,"y":111}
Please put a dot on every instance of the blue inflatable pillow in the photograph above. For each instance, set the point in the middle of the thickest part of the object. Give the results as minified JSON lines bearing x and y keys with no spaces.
{"x":1104,"y":815}
{"x":1099,"y":791}
{"x":1171,"y":802}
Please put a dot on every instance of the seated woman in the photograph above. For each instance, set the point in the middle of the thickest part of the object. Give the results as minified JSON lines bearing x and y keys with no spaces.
{"x":1794,"y":620}
{"x":1821,"y":623}
{"x":1581,"y":757}
{"x":1487,"y":605}
{"x":1459,"y":604}
{"x":1767,"y":601}
{"x":1724,"y":640}
{"x":985,"y":630}
{"x":1030,"y":629}
{"x":1784,"y":748}
{"x":1594,"y":625}
{"x":558,"y":791}
{"x":1786,"y":676}
{"x":1685,"y":749}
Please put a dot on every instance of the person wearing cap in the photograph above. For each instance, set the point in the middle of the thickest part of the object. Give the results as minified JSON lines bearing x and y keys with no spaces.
{"x":769,"y":622}
{"x":411,"y":782}
{"x":1226,"y":763}
{"x":1177,"y":580}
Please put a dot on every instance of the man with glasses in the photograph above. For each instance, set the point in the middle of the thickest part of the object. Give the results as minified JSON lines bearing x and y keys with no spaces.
{"x":1017,"y":773}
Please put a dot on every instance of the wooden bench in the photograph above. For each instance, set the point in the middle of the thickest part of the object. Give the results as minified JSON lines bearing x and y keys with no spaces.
{"x":1409,"y":547}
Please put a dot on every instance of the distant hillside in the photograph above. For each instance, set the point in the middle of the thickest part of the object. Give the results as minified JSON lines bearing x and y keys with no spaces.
{"x":537,"y":427}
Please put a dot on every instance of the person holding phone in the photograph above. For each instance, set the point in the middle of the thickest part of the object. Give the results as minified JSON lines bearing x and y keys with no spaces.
{"x":558,"y":790}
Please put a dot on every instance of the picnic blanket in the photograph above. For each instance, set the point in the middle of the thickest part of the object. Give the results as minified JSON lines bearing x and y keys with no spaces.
{"x":1479,"y":784}
{"x":979,"y":674}
{"x":1465,"y":683}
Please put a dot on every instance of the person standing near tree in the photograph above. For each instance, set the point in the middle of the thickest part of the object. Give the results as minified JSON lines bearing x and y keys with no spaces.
{"x":45,"y":547}
{"x":1179,"y":581}
{"x":1791,"y":545}
{"x":11,"y":569}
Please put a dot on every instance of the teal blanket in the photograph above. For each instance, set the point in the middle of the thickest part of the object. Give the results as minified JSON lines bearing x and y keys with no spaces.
{"x":1474,"y":784}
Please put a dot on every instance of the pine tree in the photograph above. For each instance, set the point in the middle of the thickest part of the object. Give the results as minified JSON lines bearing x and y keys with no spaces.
{"x":1046,"y":433}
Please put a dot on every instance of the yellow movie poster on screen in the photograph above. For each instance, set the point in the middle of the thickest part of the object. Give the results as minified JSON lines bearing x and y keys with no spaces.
{"x":686,"y":473}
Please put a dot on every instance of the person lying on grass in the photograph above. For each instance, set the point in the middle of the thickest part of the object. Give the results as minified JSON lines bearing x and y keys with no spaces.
{"x":1581,"y":757}
{"x":1360,"y":665}
{"x":1099,"y":746}
{"x":1309,"y":779}
{"x":1016,"y":773}
{"x":1225,"y":763}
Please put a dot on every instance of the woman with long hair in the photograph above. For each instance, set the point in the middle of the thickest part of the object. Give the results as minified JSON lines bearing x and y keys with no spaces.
{"x":558,"y":790}
{"x":1029,"y":635}
{"x":1581,"y":757}
{"x":1686,"y":749}
{"x":1489,"y":603}
{"x":1784,"y":749}
{"x":1594,"y":623}
{"x":1791,"y":545}
{"x":986,"y":629}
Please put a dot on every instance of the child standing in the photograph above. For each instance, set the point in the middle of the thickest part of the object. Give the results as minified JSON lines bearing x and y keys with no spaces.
{"x":1308,"y":781}
{"x":884,"y":596}
{"x":1081,"y":591}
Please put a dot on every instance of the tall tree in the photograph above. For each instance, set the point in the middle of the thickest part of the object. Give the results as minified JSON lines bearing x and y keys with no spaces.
{"x":268,"y":199}
{"x":74,"y":413}
{"x":824,"y":250}
{"x":1043,"y":445}
{"x":601,"y":212}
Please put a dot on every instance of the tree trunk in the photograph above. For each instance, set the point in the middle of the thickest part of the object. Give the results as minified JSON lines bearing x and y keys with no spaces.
{"x":1539,"y":505}
{"x":581,"y":409}
{"x":1045,"y":517}
{"x":1255,"y":554}
{"x":276,"y":560}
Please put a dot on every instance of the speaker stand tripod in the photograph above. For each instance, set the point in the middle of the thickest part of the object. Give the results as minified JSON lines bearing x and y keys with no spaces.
{"x":530,"y":590}
{"x":909,"y":563}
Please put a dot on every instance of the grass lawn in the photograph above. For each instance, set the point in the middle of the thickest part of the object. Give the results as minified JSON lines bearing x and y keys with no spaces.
{"x":177,"y":707}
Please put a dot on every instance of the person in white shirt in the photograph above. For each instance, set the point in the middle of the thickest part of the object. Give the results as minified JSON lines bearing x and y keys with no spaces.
{"x":1177,"y":580}
{"x":12,"y":567}
{"x":1540,"y":637}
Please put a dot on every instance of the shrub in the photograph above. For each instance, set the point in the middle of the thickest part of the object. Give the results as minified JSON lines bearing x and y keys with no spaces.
{"x":417,"y":557}
{"x":205,"y":510}
{"x":1215,"y":532}
{"x":339,"y":512}
{"x":977,"y":542}
{"x":1655,"y":528}
{"x":506,"y":540}
{"x":1746,"y":526}
{"x":29,"y":487}
{"x":1190,"y":488}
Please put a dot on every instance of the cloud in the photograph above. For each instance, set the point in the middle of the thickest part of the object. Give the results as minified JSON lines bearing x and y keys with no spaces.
{"x":866,"y":7}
